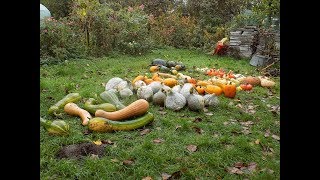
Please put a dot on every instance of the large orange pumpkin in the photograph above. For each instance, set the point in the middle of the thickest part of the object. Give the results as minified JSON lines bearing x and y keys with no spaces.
{"x":213,"y":89}
{"x":200,"y":89}
{"x":230,"y":90}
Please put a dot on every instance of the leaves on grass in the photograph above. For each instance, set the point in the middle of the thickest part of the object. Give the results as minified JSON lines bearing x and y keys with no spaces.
{"x":158,"y":141}
{"x":245,"y":130}
{"x":94,"y":156}
{"x":114,"y":160}
{"x":192,"y":148}
{"x":257,"y":141}
{"x":270,"y":171}
{"x":198,"y":130}
{"x":176,"y":175}
{"x":158,"y":128}
{"x":103,"y":84}
{"x":240,"y":168}
{"x":147,"y":178}
{"x":267,"y":134}
{"x":165,"y":176}
{"x":49,"y":97}
{"x":177,"y":127}
{"x":145,"y":131}
{"x":107,"y":142}
{"x":225,"y":123}
{"x":86,"y":132}
{"x":275,"y":137}
{"x":275,"y":109}
{"x":128,"y":162}
{"x":197,"y":119}
{"x":98,"y":142}
{"x":247,"y":123}
{"x":162,"y":112}
{"x":209,"y":113}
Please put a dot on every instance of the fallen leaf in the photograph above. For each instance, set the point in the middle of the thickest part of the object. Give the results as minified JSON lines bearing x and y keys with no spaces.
{"x":49,"y":97}
{"x":103,"y":84}
{"x":145,"y":131}
{"x":237,"y":100}
{"x":239,"y":164}
{"x":267,"y":134}
{"x":107,"y":141}
{"x":209,"y":113}
{"x":147,"y":178}
{"x":86,"y":132}
{"x":176,"y":175}
{"x":161,"y":108}
{"x":239,"y":106}
{"x":98,"y":142}
{"x":192,"y":148}
{"x":257,"y":141}
{"x":128,"y":162}
{"x":215,"y":135}
{"x":94,"y":156}
{"x":182,"y":115}
{"x":162,"y":112}
{"x":44,"y":90}
{"x":165,"y":176}
{"x":234,"y":170}
{"x":275,"y":137}
{"x":158,"y":128}
{"x":77,"y":86}
{"x":88,"y":65}
{"x":159,"y":140}
{"x":247,"y":123}
{"x":205,"y":110}
{"x":198,"y":130}
{"x":252,"y":166}
{"x":114,"y":160}
{"x":245,"y":130}
{"x":231,"y":103}
{"x":197,"y":119}
{"x":225,"y":123}
{"x":177,"y":127}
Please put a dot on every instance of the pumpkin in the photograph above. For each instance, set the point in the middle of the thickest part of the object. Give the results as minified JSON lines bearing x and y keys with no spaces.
{"x":210,"y":89}
{"x":195,"y":102}
{"x":254,"y":81}
{"x":170,"y":82}
{"x":210,"y":100}
{"x":159,"y":62}
{"x":230,"y":90}
{"x":267,"y":83}
{"x":155,"y":86}
{"x":186,"y":88}
{"x":145,"y":92}
{"x":171,"y":64}
{"x":176,"y":88}
{"x":112,"y":83}
{"x":137,"y":108}
{"x":140,"y":77}
{"x":148,"y":81}
{"x":164,"y":69}
{"x":126,"y":92}
{"x":154,"y":69}
{"x":192,"y":80}
{"x":159,"y":98}
{"x":139,"y":84}
{"x":175,"y":72}
{"x":200,"y":89}
{"x":203,"y":83}
{"x":174,"y":100}
{"x":246,"y":87}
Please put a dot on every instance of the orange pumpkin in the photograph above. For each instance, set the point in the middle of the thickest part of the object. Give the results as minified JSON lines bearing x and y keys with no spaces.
{"x":154,"y":68}
{"x":192,"y":81}
{"x":213,"y":89}
{"x":203,"y":83}
{"x":230,"y":90}
{"x":148,"y":81}
{"x":170,"y":82}
{"x":140,"y":77}
{"x":200,"y":89}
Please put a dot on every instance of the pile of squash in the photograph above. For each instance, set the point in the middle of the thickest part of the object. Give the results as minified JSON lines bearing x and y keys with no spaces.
{"x":160,"y":65}
{"x":107,"y":116}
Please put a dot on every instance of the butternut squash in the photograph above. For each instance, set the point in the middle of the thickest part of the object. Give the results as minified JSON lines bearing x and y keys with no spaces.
{"x":137,"y":108}
{"x":74,"y":110}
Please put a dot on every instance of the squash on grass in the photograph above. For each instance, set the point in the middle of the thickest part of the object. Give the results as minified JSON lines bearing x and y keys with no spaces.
{"x":112,"y":98}
{"x":170,"y":82}
{"x":100,"y":124}
{"x":210,"y":89}
{"x":137,"y":108}
{"x":91,"y":106}
{"x":58,"y":107}
{"x":56,"y":127}
{"x":230,"y":90}
{"x":74,"y":110}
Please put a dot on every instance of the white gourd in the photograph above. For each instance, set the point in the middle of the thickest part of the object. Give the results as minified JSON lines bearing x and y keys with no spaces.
{"x":210,"y":100}
{"x":126,"y":92}
{"x":145,"y":92}
{"x":123,"y":84}
{"x":185,"y":90}
{"x":139,"y":84}
{"x":175,"y":101}
{"x":195,"y":102}
{"x":155,"y":86}
{"x":176,"y":88}
{"x":159,"y":98}
{"x":112,"y":83}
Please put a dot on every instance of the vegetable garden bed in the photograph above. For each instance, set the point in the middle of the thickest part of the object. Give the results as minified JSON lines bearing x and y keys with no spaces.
{"x":238,"y":138}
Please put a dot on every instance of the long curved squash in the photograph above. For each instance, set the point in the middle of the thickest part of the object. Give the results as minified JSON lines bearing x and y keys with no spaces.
{"x":100,"y":124}
{"x":74,"y":110}
{"x":137,"y":108}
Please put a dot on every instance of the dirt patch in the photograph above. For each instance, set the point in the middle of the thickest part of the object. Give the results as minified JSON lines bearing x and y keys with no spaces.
{"x":77,"y":151}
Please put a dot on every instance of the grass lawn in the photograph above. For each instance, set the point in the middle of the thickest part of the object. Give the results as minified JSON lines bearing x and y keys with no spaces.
{"x":228,"y":135}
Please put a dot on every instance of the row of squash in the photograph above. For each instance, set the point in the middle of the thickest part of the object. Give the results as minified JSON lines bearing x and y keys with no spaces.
{"x":110,"y":115}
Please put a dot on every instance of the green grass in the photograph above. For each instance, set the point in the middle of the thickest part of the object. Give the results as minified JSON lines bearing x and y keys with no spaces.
{"x":218,"y":147}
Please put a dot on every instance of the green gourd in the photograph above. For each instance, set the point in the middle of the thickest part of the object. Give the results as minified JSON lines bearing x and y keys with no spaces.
{"x":112,"y":98}
{"x":56,"y":127}
{"x":91,"y":106}
{"x":100,"y":124}
{"x":57,"y":108}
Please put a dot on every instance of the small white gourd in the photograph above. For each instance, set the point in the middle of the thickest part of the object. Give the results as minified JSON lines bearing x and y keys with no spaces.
{"x":145,"y":92}
{"x":195,"y":101}
{"x":155,"y":86}
{"x":175,"y":101}
{"x":159,"y":98}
